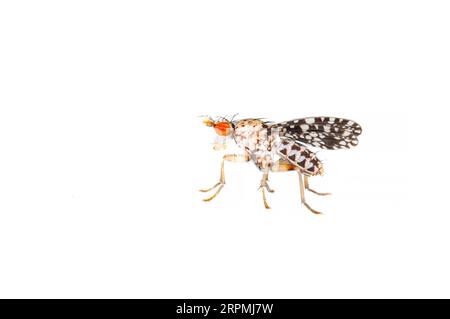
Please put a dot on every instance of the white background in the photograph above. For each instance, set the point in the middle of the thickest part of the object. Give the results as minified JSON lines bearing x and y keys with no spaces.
{"x":102,"y":150}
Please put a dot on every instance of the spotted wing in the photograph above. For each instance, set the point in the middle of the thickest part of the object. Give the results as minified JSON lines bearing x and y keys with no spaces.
{"x":298,"y":155}
{"x":329,"y":133}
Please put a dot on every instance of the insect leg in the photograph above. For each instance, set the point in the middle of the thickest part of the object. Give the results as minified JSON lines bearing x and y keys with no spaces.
{"x":229,"y":158}
{"x":263,"y":186}
{"x":312,"y":190}
{"x":284,"y":166}
{"x":302,"y":193}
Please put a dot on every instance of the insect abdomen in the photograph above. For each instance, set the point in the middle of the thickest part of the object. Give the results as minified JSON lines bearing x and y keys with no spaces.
{"x":301,"y":157}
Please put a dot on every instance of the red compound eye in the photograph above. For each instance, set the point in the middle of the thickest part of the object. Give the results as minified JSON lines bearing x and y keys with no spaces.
{"x":222,"y":128}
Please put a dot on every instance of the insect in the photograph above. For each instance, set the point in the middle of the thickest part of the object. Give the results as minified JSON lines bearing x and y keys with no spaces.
{"x":282,"y":147}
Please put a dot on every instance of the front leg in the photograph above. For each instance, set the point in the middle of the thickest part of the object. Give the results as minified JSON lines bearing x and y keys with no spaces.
{"x":235,"y":158}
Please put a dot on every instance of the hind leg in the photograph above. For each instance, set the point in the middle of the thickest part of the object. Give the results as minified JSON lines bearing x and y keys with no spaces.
{"x":302,"y":194}
{"x":284,"y":166}
{"x":312,"y":190}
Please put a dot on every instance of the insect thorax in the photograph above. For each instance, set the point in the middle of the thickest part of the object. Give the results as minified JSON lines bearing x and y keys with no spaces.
{"x":258,"y":140}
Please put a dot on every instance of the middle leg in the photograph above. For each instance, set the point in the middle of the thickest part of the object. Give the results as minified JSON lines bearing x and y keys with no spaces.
{"x":264,"y":185}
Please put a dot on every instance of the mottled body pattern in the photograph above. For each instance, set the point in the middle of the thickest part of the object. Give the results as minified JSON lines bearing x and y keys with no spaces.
{"x":298,"y":155}
{"x":263,"y":143}
{"x":282,"y":146}
{"x":254,"y":136}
